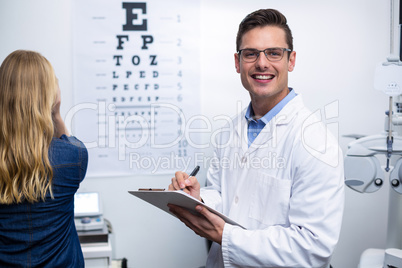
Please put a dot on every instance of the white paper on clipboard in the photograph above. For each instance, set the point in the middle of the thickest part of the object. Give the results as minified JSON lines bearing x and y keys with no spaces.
{"x":161,"y":199}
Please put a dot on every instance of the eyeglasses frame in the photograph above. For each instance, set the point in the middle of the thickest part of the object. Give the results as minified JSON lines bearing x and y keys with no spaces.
{"x":259,"y":52}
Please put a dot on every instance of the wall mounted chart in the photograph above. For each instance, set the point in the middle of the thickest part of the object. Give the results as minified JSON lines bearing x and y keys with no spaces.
{"x":136,"y":85}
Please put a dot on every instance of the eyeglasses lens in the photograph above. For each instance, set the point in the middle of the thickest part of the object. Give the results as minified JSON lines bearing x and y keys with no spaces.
{"x":272,"y":54}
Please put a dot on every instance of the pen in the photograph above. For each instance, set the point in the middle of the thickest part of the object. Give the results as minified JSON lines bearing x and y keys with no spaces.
{"x":195,"y":171}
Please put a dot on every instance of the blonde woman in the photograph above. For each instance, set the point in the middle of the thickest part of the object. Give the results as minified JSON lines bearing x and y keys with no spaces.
{"x":41,"y":167}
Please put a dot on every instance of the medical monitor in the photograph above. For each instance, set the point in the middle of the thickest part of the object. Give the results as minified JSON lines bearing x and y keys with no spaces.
{"x":87,"y":204}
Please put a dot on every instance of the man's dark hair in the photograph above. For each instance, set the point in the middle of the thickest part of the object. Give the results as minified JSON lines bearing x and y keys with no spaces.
{"x":261,"y":18}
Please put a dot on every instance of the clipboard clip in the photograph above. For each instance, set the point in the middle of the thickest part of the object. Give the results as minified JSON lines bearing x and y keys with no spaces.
{"x":152,"y":189}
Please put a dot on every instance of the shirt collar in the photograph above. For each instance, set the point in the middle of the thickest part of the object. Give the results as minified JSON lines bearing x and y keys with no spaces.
{"x":274,"y":111}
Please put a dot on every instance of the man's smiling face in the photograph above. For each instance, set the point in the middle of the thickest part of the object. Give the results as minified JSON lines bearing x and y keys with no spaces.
{"x":266,"y":81}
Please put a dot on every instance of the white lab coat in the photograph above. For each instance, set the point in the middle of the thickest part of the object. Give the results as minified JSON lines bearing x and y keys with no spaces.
{"x":288,"y":192}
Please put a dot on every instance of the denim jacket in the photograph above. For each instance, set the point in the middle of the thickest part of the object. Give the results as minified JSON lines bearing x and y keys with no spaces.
{"x":43,"y":234}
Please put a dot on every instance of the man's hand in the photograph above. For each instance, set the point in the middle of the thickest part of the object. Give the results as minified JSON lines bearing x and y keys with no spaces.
{"x":206,"y":224}
{"x":190,"y":185}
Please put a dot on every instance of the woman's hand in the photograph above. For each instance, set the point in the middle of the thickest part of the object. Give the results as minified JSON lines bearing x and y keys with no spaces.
{"x":58,"y":123}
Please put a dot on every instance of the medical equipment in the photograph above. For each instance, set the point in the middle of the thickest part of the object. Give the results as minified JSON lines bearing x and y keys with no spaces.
{"x":88,"y":211}
{"x":93,"y":230}
{"x":363,"y":171}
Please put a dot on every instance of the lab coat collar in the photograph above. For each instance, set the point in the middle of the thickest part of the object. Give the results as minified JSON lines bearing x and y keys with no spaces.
{"x":282,"y":118}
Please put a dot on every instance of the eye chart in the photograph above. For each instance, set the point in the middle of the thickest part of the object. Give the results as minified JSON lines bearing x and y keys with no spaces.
{"x":136,"y":85}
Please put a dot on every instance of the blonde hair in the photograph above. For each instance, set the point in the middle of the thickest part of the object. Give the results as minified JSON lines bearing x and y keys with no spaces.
{"x":28,"y":91}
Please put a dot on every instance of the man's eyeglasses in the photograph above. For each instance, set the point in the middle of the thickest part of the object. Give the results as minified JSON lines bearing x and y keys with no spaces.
{"x":272,"y":54}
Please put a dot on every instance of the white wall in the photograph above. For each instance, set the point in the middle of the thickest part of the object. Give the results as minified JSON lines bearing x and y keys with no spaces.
{"x":338,"y":44}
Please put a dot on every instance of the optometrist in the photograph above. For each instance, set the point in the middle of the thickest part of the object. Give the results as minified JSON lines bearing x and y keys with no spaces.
{"x":284,"y":180}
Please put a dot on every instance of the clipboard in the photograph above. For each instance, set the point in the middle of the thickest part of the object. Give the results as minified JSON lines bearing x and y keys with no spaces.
{"x":161,"y":198}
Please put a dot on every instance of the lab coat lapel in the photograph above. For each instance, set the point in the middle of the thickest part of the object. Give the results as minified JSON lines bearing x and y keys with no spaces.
{"x":269,"y":134}
{"x":240,"y":126}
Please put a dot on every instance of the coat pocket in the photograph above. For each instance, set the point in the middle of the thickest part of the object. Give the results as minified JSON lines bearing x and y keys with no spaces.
{"x":270,"y":200}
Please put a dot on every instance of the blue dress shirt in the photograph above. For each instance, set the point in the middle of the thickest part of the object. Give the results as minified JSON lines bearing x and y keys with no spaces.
{"x":255,"y":126}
